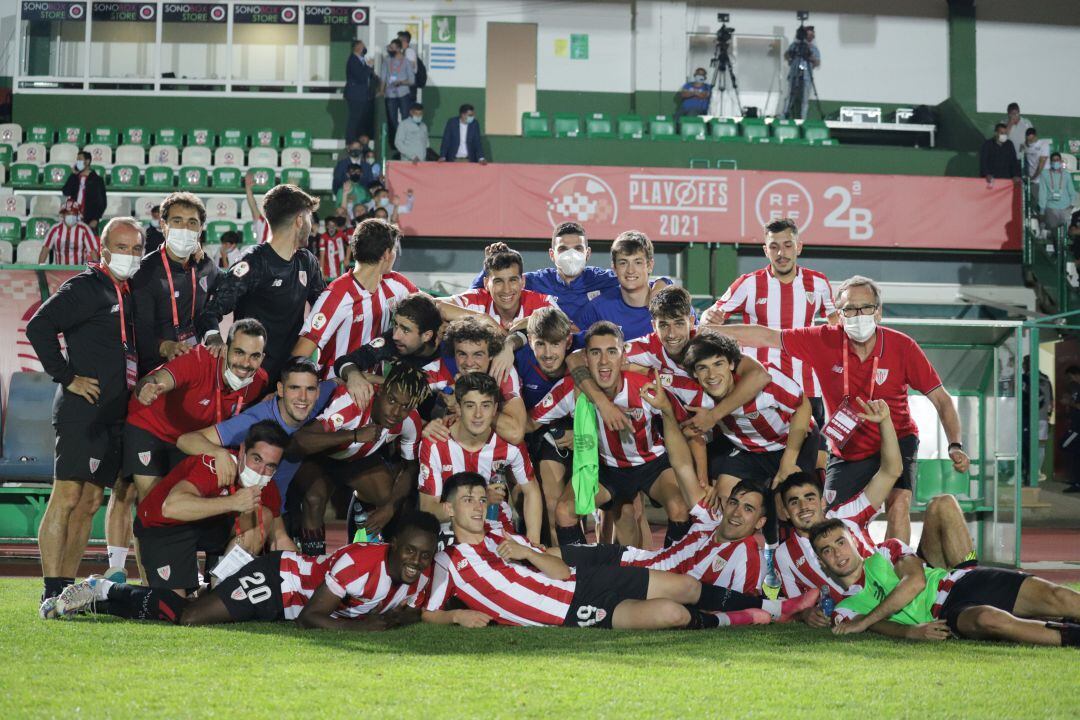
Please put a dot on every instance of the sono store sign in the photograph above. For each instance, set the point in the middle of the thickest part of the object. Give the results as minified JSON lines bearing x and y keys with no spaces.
{"x":53,"y":11}
{"x":194,"y":12}
{"x":123,"y":12}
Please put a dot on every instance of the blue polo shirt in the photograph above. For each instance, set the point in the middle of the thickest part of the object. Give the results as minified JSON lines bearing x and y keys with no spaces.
{"x":696,"y":105}
{"x":634,"y":321}
{"x":534,"y":383}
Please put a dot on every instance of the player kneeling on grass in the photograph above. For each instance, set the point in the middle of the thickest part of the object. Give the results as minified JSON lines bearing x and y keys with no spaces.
{"x":360,"y":587}
{"x":894,"y":593}
{"x":500,"y":576}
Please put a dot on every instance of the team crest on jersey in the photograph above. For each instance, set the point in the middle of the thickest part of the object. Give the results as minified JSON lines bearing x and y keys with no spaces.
{"x":752,"y":416}
{"x":164,"y":572}
{"x":882,"y":373}
{"x":241,"y":268}
{"x":204,"y":402}
{"x":718,"y":564}
{"x":378,"y":342}
{"x":830,"y":496}
{"x":94,"y":464}
{"x":318,"y":321}
{"x":238,"y":594}
{"x":202,"y":283}
{"x":635,"y":414}
{"x":548,"y":401}
{"x":666,"y":379}
{"x":593,"y":294}
{"x":425,"y":472}
{"x":303,"y":277}
{"x":498,"y":465}
{"x":337,"y":420}
{"x":800,"y":562}
{"x":144,"y":458}
{"x":838,"y":369}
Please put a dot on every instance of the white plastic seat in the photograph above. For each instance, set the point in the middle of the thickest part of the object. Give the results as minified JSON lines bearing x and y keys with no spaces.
{"x":130,"y":155}
{"x":164,"y":155}
{"x":295,"y":157}
{"x":26,"y":253}
{"x":1068,"y":161}
{"x":46,"y":206}
{"x":99,"y":154}
{"x":13,"y":206}
{"x":143,"y":204}
{"x":196,"y":155}
{"x":11,"y":134}
{"x":31,"y":153}
{"x":7,"y":252}
{"x":117,"y":205}
{"x":220,"y":208}
{"x":263,"y":157}
{"x":63,"y":153}
{"x":228,"y":157}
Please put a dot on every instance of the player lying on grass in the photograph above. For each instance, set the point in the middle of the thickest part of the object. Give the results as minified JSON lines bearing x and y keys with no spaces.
{"x":500,"y":576}
{"x":360,"y":587}
{"x":719,"y":549}
{"x":894,"y":593}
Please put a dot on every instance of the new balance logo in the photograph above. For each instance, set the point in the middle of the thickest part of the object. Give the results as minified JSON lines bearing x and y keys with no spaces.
{"x":276,"y":283}
{"x":838,"y":369}
{"x":763,"y":301}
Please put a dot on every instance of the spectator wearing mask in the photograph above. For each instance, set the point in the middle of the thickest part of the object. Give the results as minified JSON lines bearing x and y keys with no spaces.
{"x":998,"y":158}
{"x":352,"y":157}
{"x":86,"y":189}
{"x":70,"y":241}
{"x":461,"y":140}
{"x":412,"y":136}
{"x":154,"y":237}
{"x":397,"y":80}
{"x":1057,"y":196}
{"x":372,"y":169}
{"x":1016,"y":126}
{"x":230,"y":249}
{"x":359,"y":90}
{"x":334,"y":250}
{"x":1036,"y":155}
{"x":352,"y":192}
{"x":695,"y":95}
{"x":381,"y":200}
{"x":410,"y":54}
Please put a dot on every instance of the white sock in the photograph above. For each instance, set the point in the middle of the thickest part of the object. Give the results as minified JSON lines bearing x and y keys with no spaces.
{"x":101,"y":589}
{"x":117,"y":556}
{"x":773,"y":607}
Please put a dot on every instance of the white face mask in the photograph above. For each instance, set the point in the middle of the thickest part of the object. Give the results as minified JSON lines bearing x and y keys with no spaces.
{"x":234,"y":381}
{"x":182,"y":241}
{"x":699,"y":78}
{"x":251,"y":478}
{"x":570,"y":262}
{"x":70,"y":220}
{"x":80,"y":165}
{"x":123,"y":266}
{"x":1002,"y":138}
{"x":384,"y":202}
{"x":860,"y":327}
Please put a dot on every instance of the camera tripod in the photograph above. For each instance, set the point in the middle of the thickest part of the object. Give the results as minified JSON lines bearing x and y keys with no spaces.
{"x":801,"y":66}
{"x":724,"y":71}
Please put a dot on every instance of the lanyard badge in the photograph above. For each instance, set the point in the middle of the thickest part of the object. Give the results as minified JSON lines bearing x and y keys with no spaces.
{"x":844,"y":421}
{"x":185,"y":335}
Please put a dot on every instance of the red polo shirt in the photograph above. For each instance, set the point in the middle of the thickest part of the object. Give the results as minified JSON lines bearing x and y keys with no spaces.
{"x":901,"y":364}
{"x":199,"y":396}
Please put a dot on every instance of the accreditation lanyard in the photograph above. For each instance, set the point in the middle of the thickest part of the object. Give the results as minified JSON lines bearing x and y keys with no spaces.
{"x":873,"y":374}
{"x":844,"y":419}
{"x":189,"y":336}
{"x":131,"y":363}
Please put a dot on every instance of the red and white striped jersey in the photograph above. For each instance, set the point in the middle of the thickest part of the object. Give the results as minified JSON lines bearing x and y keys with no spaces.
{"x":347,"y":316}
{"x":441,"y":373}
{"x":798,"y":564}
{"x":764,"y":300}
{"x":357,"y":574}
{"x":332,"y":257}
{"x":649,"y":352}
{"x":480,"y":300}
{"x":342,"y":414}
{"x":510,"y":593}
{"x":439,"y":459}
{"x":301,"y":576}
{"x":644,"y":445}
{"x":736,"y":565}
{"x":75,"y":245}
{"x":262,"y":231}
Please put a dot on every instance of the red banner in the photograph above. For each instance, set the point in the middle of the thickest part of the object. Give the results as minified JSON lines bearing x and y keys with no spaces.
{"x":727,"y":206}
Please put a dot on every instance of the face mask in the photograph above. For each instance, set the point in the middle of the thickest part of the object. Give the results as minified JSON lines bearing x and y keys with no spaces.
{"x":384,"y":202}
{"x":469,"y":119}
{"x":370,"y":159}
{"x":234,"y":381}
{"x":363,"y":52}
{"x":182,"y":241}
{"x":354,"y":153}
{"x":376,"y":169}
{"x":699,"y":78}
{"x":860,"y":327}
{"x":1002,"y":138}
{"x":251,"y":478}
{"x":80,"y":165}
{"x":393,"y":53}
{"x":123,"y":266}
{"x":1055,"y":165}
{"x":418,"y":119}
{"x":370,"y":144}
{"x":571,"y":262}
{"x":70,"y":220}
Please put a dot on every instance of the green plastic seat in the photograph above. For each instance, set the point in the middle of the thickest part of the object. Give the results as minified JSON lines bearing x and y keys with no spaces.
{"x":567,"y":125}
{"x":1076,"y":181}
{"x":630,"y":127}
{"x":40,"y":134}
{"x":232,"y":137}
{"x":201,"y":137}
{"x":785,"y":130}
{"x":263,"y":177}
{"x":755,"y":129}
{"x":104,"y":136}
{"x":10,"y":229}
{"x":216,"y":228}
{"x":193,"y":178}
{"x":74,"y":134}
{"x":938,"y":477}
{"x":298,"y":139}
{"x":264,"y":137}
{"x":159,"y":177}
{"x":535,"y":124}
{"x":692,"y":128}
{"x":38,"y":227}
{"x":137,"y":136}
{"x":662,"y":127}
{"x":23,"y":175}
{"x":124,"y":177}
{"x":55,"y":175}
{"x":7,"y":153}
{"x":168,"y":136}
{"x":299,"y":177}
{"x":826,"y":141}
{"x":227,"y":178}
{"x":815,"y":130}
{"x":249,"y":234}
{"x":598,"y":125}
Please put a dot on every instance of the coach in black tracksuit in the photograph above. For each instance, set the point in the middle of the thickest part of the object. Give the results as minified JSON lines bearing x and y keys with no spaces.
{"x":94,"y":313}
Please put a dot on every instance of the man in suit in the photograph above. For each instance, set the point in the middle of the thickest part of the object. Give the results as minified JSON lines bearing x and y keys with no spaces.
{"x":358,"y":79}
{"x":461,"y":138}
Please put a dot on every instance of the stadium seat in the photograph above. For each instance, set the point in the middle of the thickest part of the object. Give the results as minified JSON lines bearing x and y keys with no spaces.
{"x":199,"y":137}
{"x":23,"y":175}
{"x":227,"y":156}
{"x":567,"y":125}
{"x":216,"y":228}
{"x":299,"y":177}
{"x":117,"y":205}
{"x":755,"y":129}
{"x":220,"y":208}
{"x":11,"y":134}
{"x":143,"y":204}
{"x":107,"y":136}
{"x":99,"y":169}
{"x":295,"y":139}
{"x":43,"y":134}
{"x":26,"y":252}
{"x":10,"y":229}
{"x":598,"y":125}
{"x":249,"y":234}
{"x":100,"y":153}
{"x":168,"y":136}
{"x":265,"y":157}
{"x":232,"y":137}
{"x":7,"y":252}
{"x":159,"y":177}
{"x":13,"y":205}
{"x":196,"y":155}
{"x":825,"y":141}
{"x":662,"y":127}
{"x":7,"y":154}
{"x":692,"y":128}
{"x":124,"y":177}
{"x":72,"y":134}
{"x":37,"y":227}
{"x":164,"y":155}
{"x":264,"y":178}
{"x":31,"y":152}
{"x":192,"y":177}
{"x":1076,"y":181}
{"x":815,"y":130}
{"x":724,"y":129}
{"x":46,"y":205}
{"x":138,"y":136}
{"x":130,"y":155}
{"x":264,"y":138}
{"x":1068,"y":161}
{"x":63,"y":153}
{"x":55,"y":175}
{"x":631,"y":127}
{"x":937,"y":477}
{"x":29,"y":438}
{"x":292,"y":157}
{"x":785,"y":130}
{"x":227,"y":178}
{"x":535,"y":124}
{"x":1072,"y":145}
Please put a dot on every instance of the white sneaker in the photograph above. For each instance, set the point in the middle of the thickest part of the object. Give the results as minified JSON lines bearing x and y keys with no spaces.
{"x":47,"y":611}
{"x":78,"y":598}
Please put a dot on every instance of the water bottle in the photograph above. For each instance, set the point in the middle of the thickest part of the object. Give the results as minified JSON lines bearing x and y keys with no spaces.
{"x":361,"y":535}
{"x":825,"y":602}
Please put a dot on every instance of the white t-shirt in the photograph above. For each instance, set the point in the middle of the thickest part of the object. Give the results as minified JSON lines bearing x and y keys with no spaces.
{"x":410,"y":55}
{"x":463,"y":146}
{"x":1032,"y":153}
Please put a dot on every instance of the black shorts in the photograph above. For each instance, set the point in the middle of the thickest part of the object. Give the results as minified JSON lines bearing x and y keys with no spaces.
{"x":995,"y":587}
{"x":717,"y":451}
{"x":254,"y":591}
{"x":599,"y":591}
{"x":147,"y":454}
{"x":345,"y":472}
{"x":579,"y":556}
{"x":844,"y":480}
{"x":762,"y":467}
{"x":90,"y":452}
{"x":625,"y":483}
{"x":817,"y":409}
{"x":170,"y":554}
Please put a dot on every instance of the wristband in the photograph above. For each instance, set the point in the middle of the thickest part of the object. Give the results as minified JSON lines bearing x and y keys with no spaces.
{"x":956,"y":446}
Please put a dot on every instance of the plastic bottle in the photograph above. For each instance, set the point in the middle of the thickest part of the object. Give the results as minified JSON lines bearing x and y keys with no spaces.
{"x":826,"y":603}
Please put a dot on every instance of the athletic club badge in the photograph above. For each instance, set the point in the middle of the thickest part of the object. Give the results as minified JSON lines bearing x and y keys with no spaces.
{"x":144,"y":458}
{"x":94,"y":464}
{"x":241,"y":268}
{"x":882,"y":373}
{"x":164,"y":572}
{"x":238,"y":594}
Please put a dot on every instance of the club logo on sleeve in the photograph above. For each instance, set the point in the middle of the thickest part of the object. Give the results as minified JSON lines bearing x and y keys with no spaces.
{"x":462,"y":564}
{"x":144,"y":458}
{"x":241,"y":268}
{"x":318,"y":321}
{"x":238,"y":594}
{"x":590,"y":615}
{"x":882,"y":373}
{"x":378,"y":342}
{"x":592,"y":294}
{"x":303,"y":277}
{"x":337,"y":420}
{"x":830,"y":496}
{"x":202,"y":283}
{"x":164,"y":572}
{"x":95,"y":463}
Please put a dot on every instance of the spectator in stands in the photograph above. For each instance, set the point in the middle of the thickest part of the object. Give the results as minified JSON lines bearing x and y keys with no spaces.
{"x":1057,"y":196}
{"x":412,"y":136}
{"x":335,"y":252}
{"x":86,"y":188}
{"x":1016,"y":126}
{"x":998,"y":158}
{"x":695,"y":95}
{"x":397,"y":79}
{"x":96,"y":317}
{"x":352,"y":157}
{"x":381,"y":200}
{"x":359,"y":90}
{"x":353,"y":192}
{"x":154,"y":237}
{"x":410,"y":54}
{"x":230,"y":248}
{"x":372,"y":169}
{"x":262,"y":227}
{"x":1036,"y":155}
{"x":461,"y":138}
{"x":70,"y":241}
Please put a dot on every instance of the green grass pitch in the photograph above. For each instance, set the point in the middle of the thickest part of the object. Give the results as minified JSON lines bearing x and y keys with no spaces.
{"x":101,"y":667}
